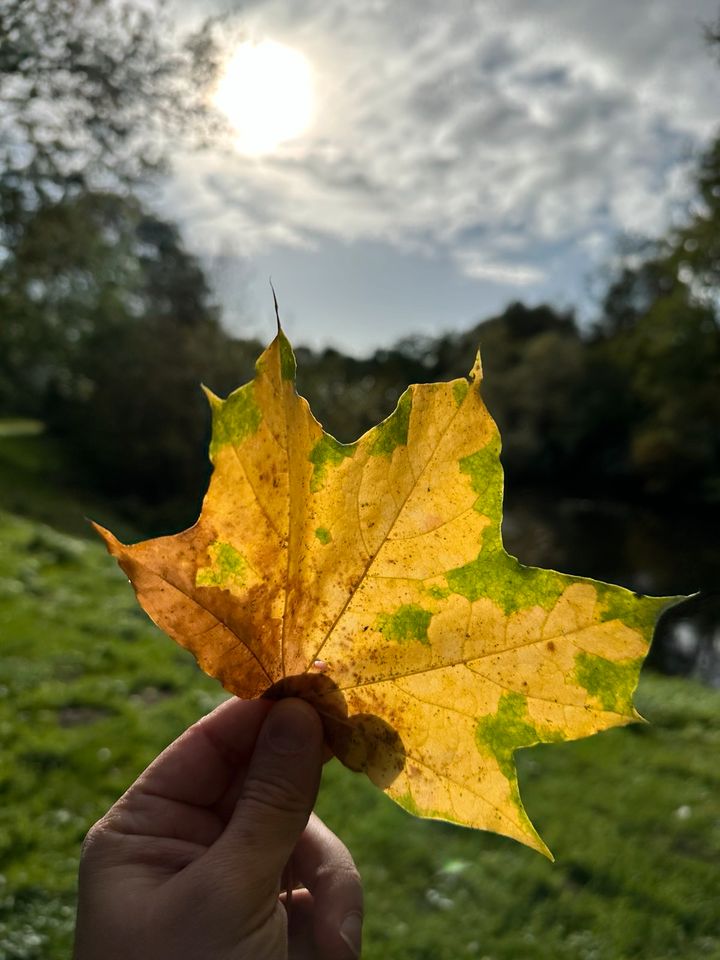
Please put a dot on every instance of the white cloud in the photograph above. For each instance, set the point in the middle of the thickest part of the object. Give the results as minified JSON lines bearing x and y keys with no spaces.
{"x":531,"y":124}
{"x":476,"y":266}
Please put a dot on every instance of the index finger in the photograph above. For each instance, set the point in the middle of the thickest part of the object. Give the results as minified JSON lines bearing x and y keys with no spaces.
{"x":199,"y":766}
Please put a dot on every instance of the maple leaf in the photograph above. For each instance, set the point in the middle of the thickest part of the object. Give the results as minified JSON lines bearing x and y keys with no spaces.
{"x":370,"y":578}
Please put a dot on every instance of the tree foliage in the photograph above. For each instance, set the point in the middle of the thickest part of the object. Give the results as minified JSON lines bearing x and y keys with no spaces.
{"x":97,"y":294}
{"x":660,"y":334}
{"x":107,"y":322}
{"x":108,"y":330}
{"x":90,"y":91}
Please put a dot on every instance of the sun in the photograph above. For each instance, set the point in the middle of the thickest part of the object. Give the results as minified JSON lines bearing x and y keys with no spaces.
{"x":266,"y":93}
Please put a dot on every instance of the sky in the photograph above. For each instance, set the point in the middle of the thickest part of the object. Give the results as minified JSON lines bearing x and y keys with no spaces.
{"x":461,"y":155}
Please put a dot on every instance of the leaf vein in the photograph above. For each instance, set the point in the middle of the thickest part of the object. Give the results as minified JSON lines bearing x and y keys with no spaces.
{"x":464,"y":662}
{"x":263,"y":509}
{"x":373,"y":557}
{"x":439,"y":526}
{"x":219,"y":620}
{"x":465,"y":786}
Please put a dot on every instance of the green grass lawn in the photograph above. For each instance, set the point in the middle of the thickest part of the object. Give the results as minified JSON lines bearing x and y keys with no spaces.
{"x":90,"y":691}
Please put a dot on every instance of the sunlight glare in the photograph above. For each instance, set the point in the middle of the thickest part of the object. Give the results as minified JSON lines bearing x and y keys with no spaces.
{"x":266,"y":93}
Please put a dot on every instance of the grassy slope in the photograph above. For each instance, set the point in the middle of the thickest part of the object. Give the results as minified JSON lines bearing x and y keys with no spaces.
{"x":90,"y":691}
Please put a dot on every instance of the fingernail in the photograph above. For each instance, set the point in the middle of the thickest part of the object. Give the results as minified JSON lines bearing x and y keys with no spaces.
{"x":351,"y":932}
{"x":289,"y":727}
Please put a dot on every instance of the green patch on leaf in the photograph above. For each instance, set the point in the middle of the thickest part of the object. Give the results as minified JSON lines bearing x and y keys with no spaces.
{"x":407,"y":802}
{"x":235,"y":419}
{"x":327,"y":452}
{"x":460,"y":389}
{"x":393,"y":432}
{"x":501,"y":578}
{"x":483,"y":468}
{"x":635,"y":611}
{"x":502,"y":733}
{"x":611,"y":682}
{"x":288,"y":367}
{"x":408,"y":622}
{"x":323,"y":535}
{"x":227,"y":568}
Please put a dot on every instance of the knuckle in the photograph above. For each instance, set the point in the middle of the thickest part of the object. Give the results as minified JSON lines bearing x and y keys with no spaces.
{"x":341,"y":872}
{"x":351,"y":875}
{"x":102,"y":837}
{"x":94,"y":840}
{"x":274,"y":793}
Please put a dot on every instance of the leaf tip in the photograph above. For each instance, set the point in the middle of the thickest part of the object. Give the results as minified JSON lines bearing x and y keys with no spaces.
{"x":638,"y":718}
{"x":547,"y":852}
{"x":476,"y":374}
{"x":212,"y":398}
{"x":111,"y":542}
{"x":277,"y":309}
{"x":532,"y":839}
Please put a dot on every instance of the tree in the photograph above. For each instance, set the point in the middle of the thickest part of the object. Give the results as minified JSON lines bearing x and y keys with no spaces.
{"x":96,"y":292}
{"x":660,"y":332}
{"x":534,"y":369}
{"x":108,"y":329}
{"x":90,"y":91}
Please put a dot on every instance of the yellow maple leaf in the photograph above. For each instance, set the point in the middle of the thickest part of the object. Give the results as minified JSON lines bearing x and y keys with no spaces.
{"x":370,"y":578}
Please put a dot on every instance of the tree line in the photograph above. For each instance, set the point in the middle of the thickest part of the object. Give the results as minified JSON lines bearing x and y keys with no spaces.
{"x":108,"y":324}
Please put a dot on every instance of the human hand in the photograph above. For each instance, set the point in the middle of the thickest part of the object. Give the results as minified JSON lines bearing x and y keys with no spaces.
{"x":188,"y":864}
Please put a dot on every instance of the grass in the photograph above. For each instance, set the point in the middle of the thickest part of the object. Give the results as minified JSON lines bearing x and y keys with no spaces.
{"x":90,"y":691}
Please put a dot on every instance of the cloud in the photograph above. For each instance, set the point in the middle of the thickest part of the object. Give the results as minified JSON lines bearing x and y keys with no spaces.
{"x":513,"y":274}
{"x":485,"y":132}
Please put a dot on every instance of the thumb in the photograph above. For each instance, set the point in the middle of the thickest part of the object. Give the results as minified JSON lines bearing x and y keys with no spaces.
{"x":278,"y":795}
